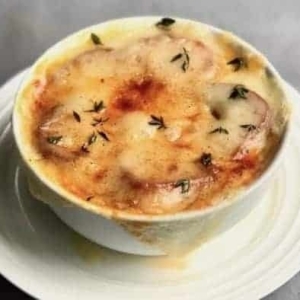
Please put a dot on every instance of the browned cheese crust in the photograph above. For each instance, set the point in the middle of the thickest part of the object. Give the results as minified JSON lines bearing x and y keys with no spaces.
{"x":158,"y":125}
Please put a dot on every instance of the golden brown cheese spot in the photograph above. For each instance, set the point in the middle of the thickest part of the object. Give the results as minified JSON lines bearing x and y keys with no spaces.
{"x":143,"y":122}
{"x":140,"y":94}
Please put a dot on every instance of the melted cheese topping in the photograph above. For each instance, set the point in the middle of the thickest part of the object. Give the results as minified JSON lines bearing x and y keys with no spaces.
{"x":154,"y":120}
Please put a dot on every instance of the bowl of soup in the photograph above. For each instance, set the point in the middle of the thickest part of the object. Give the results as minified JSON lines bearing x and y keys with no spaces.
{"x":150,"y":135}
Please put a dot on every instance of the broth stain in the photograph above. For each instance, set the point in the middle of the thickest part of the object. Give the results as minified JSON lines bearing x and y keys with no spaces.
{"x":90,"y":253}
{"x":87,"y":250}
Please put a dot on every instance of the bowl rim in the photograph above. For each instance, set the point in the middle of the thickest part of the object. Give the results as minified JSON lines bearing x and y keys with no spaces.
{"x":181,"y":215}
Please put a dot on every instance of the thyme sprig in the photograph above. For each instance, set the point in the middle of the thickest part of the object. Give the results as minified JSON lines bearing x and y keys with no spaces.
{"x":99,"y":121}
{"x":157,"y":121}
{"x":184,"y":56}
{"x":97,"y":106}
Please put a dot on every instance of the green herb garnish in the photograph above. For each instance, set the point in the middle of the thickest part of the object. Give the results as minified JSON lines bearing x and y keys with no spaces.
{"x":85,"y":148}
{"x":96,"y":107}
{"x":176,"y":57}
{"x":237,"y":63}
{"x":76,"y":116}
{"x":95,"y":38}
{"x":157,"y":121}
{"x":92,"y":138}
{"x":239,"y":91}
{"x":184,"y":56}
{"x":219,"y":130}
{"x":206,"y":159}
{"x":184,"y":184}
{"x":98,"y":121}
{"x":185,"y":65}
{"x":248,"y":127}
{"x":103,"y":135}
{"x":54,"y":140}
{"x":165,"y":23}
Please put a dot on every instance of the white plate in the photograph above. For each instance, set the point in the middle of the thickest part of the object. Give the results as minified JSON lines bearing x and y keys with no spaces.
{"x":49,"y":261}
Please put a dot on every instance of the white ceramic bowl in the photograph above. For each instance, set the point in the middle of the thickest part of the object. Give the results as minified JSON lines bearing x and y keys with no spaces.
{"x":141,"y":234}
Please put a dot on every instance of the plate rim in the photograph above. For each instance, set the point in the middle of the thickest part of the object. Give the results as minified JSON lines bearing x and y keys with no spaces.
{"x":24,"y":283}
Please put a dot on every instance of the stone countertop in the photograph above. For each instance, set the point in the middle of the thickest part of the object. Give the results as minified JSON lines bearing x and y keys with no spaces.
{"x":27,"y":28}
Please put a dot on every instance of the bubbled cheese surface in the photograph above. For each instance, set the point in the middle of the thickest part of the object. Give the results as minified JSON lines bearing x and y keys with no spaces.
{"x":151,"y":121}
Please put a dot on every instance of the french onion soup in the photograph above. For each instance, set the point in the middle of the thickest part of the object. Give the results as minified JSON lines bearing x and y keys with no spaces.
{"x":152,"y":117}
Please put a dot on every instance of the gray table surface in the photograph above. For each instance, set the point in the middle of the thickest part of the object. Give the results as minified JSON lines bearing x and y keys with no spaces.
{"x":29,"y":27}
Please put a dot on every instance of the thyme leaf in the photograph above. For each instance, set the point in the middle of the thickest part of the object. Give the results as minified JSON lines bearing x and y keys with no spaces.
{"x":184,"y":184}
{"x":176,"y":57}
{"x":76,"y":116}
{"x":95,"y":38}
{"x":92,"y":138}
{"x":54,"y":140}
{"x":237,"y":63}
{"x":187,"y":57}
{"x":103,"y":135}
{"x":206,"y":159}
{"x":165,"y":23}
{"x":239,"y":91}
{"x":85,"y":148}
